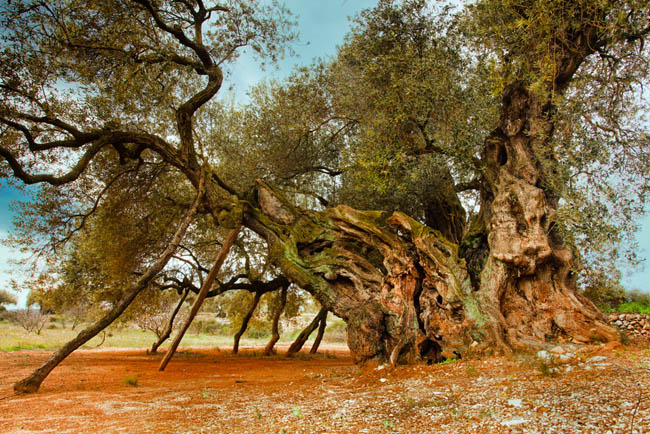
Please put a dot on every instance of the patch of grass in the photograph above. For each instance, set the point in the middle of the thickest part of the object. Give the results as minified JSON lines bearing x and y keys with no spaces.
{"x":388,"y":424}
{"x":471,"y":371}
{"x":633,"y":307}
{"x":547,"y":367}
{"x":296,"y":412}
{"x":24,"y":347}
{"x":486,"y":413}
{"x":131,"y":380}
{"x":448,"y":361}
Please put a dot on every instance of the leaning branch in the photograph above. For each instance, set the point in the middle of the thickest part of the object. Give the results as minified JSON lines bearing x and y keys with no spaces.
{"x":72,"y":175}
{"x":32,"y":383}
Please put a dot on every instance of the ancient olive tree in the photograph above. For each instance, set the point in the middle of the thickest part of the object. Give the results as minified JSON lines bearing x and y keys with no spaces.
{"x":95,"y":94}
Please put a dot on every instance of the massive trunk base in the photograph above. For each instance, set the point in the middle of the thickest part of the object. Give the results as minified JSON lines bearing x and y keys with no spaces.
{"x":405,"y":293}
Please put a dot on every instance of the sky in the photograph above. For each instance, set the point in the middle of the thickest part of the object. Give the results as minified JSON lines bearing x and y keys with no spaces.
{"x":322,"y":26}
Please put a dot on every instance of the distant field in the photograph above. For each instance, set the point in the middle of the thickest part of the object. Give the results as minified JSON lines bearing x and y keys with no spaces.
{"x":14,"y":338}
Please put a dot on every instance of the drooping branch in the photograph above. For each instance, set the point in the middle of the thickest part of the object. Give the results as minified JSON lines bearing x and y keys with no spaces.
{"x":72,"y":175}
{"x":104,"y":138}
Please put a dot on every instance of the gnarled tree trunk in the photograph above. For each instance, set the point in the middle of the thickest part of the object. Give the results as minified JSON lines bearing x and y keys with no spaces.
{"x":406,"y":294}
{"x":526,"y":280}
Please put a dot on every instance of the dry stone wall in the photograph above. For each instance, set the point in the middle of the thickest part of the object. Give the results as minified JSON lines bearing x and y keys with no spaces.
{"x":635,"y":325}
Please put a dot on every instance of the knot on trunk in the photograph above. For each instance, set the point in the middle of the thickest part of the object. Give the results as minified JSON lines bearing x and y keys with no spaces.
{"x":274,"y":204}
{"x":520,"y":225}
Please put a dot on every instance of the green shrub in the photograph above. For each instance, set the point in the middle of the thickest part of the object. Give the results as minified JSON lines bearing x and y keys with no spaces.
{"x":197,"y":327}
{"x":211,"y":329}
{"x":634,"y":307}
{"x":257,"y":333}
{"x":131,"y":380}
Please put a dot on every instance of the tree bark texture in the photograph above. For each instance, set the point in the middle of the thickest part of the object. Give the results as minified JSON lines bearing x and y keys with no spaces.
{"x":526,"y":281}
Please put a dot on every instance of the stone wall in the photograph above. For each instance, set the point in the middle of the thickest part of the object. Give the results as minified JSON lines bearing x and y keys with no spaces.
{"x":635,"y":325}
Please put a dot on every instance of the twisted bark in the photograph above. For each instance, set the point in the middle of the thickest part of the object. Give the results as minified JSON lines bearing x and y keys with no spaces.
{"x":406,"y":294}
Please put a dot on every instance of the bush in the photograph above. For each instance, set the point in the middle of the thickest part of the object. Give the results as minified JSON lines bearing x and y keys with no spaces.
{"x":7,"y":315}
{"x":131,"y":380}
{"x":634,"y":307}
{"x":257,"y":333}
{"x":211,"y":329}
{"x":32,"y":320}
{"x":197,"y":327}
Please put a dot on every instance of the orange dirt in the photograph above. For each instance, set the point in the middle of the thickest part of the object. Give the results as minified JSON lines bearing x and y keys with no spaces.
{"x":211,"y":391}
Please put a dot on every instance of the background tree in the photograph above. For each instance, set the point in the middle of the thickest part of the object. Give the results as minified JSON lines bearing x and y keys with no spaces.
{"x":6,"y":298}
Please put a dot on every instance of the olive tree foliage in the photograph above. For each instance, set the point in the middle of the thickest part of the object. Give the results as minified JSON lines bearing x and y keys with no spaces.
{"x":98,"y":96}
{"x":104,"y":94}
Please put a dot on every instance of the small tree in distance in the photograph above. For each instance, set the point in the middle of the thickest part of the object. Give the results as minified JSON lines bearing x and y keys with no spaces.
{"x":32,"y":320}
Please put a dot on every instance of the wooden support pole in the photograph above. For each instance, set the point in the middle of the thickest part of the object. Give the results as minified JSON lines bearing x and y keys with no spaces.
{"x":275,"y":328}
{"x":244,"y":324}
{"x":203,"y":292}
{"x":31,"y":383}
{"x":319,"y":336}
{"x":296,"y":346}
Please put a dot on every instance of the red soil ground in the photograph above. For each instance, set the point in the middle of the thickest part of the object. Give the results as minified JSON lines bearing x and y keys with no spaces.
{"x":210,"y":391}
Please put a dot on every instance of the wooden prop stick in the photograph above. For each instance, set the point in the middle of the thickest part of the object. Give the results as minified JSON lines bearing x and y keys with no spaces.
{"x":205,"y":288}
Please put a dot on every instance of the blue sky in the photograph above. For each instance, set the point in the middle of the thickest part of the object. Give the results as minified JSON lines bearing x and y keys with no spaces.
{"x":322,"y":26}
